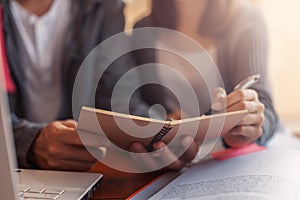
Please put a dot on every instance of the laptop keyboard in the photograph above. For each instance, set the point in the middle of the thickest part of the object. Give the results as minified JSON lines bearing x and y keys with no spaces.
{"x":27,"y":193}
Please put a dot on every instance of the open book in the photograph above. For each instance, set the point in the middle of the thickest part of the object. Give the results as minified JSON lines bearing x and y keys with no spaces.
{"x":266,"y":175}
{"x":123,"y":129}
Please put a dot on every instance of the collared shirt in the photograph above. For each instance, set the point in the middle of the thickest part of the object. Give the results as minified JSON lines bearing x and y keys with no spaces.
{"x":43,"y":42}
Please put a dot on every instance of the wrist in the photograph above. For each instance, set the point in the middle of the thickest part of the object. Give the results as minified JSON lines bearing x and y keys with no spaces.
{"x":32,"y":157}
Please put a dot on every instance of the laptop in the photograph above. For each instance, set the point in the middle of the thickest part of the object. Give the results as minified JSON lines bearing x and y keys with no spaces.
{"x":36,"y":184}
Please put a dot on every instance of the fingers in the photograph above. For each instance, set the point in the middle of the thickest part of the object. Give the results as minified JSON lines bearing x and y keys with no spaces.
{"x":146,"y":160}
{"x":167,"y":156}
{"x":63,"y":132}
{"x":192,"y":149}
{"x":164,"y":157}
{"x":253,"y":119}
{"x":70,"y":123}
{"x":65,"y":135}
{"x":237,"y":141}
{"x":242,"y":135}
{"x":71,"y":138}
{"x":221,"y":101}
{"x":241,"y":95}
{"x":247,"y":131}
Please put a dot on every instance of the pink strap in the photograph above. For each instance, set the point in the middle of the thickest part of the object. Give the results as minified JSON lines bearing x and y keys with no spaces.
{"x":10,"y":86}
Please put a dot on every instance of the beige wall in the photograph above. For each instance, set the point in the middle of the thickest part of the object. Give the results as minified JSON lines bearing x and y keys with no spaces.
{"x":284,"y":29}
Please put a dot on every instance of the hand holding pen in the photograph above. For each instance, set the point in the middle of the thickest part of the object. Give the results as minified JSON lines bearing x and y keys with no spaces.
{"x":241,"y":98}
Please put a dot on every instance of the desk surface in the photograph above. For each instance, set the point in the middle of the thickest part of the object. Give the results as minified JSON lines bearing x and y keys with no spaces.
{"x":118,"y":185}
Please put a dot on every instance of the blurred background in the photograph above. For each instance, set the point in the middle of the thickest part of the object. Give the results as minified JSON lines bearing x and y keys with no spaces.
{"x":283,"y":23}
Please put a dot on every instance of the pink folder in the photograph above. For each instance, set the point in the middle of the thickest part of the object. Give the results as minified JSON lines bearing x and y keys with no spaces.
{"x":234,"y":152}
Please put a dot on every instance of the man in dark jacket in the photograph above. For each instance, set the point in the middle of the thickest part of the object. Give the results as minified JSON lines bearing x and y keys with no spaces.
{"x":46,"y":42}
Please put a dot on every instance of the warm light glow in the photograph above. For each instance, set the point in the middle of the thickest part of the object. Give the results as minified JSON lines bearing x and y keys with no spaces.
{"x":284,"y":29}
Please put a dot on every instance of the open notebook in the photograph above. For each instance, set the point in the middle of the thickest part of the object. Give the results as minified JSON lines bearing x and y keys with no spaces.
{"x":123,"y":130}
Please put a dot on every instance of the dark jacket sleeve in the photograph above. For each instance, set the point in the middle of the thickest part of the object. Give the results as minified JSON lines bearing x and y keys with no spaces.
{"x":113,"y":24}
{"x":25,"y":133}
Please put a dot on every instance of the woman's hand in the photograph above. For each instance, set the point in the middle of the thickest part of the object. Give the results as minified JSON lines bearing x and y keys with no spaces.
{"x":250,"y":128}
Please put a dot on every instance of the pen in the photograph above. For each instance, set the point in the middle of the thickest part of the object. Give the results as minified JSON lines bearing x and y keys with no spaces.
{"x":247,"y":82}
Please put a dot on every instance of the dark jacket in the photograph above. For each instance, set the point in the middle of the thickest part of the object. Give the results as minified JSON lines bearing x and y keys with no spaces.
{"x":93,"y":21}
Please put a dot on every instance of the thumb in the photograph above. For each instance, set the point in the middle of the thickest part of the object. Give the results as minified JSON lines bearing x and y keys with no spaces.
{"x":219,"y":99}
{"x":70,"y":123}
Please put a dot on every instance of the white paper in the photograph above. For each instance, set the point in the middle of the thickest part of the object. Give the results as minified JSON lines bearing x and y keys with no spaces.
{"x":269,"y":175}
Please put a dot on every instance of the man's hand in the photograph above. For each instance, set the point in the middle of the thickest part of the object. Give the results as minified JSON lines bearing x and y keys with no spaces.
{"x":164,"y":156}
{"x":250,"y":128}
{"x":59,"y":147}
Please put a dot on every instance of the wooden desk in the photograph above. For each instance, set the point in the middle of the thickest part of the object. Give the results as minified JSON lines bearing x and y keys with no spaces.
{"x":119,"y":185}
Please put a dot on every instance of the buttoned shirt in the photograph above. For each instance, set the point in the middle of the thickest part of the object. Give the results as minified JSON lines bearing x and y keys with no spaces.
{"x":42,"y":45}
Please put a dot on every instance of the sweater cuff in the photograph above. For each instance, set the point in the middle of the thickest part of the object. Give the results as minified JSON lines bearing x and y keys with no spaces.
{"x":24,"y":139}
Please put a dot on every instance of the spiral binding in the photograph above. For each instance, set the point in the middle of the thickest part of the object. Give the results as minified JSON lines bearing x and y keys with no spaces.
{"x":158,"y":136}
